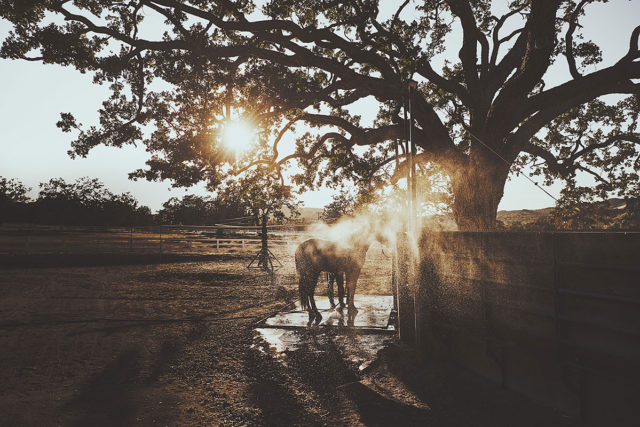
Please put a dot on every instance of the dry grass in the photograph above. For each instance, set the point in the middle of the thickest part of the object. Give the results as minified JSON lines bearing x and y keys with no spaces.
{"x":145,"y":343}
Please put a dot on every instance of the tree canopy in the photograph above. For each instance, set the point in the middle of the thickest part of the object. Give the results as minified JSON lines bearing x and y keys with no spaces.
{"x":198,"y":210}
{"x":262,"y":196}
{"x":83,"y":202}
{"x":482,"y":108}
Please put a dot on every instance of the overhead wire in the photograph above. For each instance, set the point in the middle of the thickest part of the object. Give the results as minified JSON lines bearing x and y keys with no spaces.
{"x":509,"y":164}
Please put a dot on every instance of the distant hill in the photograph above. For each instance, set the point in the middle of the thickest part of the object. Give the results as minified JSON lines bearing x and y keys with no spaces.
{"x":508,"y":218}
{"x":523,"y":216}
{"x":310,"y":214}
{"x":607,"y":211}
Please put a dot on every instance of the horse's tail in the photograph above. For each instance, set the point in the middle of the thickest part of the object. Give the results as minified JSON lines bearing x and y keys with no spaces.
{"x":304,"y":296}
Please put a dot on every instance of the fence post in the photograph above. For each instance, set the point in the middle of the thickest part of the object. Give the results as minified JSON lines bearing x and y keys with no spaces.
{"x":394,"y":277}
{"x":419,"y":287}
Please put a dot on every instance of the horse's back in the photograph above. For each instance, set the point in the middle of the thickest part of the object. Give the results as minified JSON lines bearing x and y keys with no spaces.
{"x":316,"y":254}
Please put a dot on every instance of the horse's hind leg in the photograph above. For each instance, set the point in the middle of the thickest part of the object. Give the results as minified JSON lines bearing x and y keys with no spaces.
{"x":340,"y":282}
{"x":330,"y":279}
{"x":314,"y":314}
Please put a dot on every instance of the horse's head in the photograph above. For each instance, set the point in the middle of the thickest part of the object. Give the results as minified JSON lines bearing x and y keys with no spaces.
{"x":382,"y":229}
{"x":382,"y":238}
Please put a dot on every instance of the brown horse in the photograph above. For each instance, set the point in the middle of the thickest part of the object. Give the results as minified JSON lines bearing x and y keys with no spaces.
{"x":331,"y":279}
{"x":314,"y":256}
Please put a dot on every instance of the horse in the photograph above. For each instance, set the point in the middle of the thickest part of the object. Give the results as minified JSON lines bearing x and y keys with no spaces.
{"x":331,"y":279}
{"x":315,"y":255}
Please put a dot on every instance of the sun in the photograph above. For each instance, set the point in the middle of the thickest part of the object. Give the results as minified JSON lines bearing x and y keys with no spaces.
{"x":238,"y":136}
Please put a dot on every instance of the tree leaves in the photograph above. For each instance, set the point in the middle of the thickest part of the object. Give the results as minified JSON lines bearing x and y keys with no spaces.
{"x":177,"y":70}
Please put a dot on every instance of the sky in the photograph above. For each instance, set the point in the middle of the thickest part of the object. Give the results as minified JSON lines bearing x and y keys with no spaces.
{"x":34,"y":150}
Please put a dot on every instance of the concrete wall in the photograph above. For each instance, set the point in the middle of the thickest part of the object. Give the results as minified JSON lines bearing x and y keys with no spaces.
{"x":555,"y":316}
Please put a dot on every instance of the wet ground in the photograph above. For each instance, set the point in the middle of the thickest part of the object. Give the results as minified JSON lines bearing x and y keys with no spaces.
{"x":373,"y":314}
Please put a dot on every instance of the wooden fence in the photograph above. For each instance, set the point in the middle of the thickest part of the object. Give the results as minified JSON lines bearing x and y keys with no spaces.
{"x":35,"y":240}
{"x":555,"y":316}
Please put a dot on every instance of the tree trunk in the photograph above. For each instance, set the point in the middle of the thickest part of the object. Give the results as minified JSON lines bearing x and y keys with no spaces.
{"x":477,"y":191}
{"x":265,"y":246}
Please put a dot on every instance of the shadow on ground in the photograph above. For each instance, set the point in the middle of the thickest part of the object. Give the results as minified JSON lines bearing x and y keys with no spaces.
{"x":375,"y":409}
{"x":317,"y":382}
{"x":117,"y":394}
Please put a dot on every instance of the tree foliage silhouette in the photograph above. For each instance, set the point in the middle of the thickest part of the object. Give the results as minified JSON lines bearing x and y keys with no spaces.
{"x":486,"y":113}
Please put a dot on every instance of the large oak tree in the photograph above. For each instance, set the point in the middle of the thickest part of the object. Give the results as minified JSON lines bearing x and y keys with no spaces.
{"x":484,"y":113}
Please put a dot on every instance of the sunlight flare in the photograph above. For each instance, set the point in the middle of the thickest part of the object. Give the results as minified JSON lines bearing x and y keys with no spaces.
{"x":238,"y":136}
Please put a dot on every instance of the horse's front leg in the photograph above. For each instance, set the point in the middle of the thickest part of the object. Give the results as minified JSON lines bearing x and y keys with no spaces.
{"x":330,"y":279}
{"x":352,"y":279}
{"x":314,"y":315}
{"x":340,"y":282}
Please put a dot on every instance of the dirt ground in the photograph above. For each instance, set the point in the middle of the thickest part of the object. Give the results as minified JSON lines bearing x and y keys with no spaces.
{"x":175,"y":344}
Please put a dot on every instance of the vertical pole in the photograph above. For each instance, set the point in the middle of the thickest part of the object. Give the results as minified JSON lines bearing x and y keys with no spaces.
{"x":406,"y":315}
{"x":412,"y":143}
{"x":408,"y":154}
{"x":413,"y":229}
{"x":394,"y":277}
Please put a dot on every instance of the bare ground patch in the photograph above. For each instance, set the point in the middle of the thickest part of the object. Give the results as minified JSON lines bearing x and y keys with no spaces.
{"x":174,"y":344}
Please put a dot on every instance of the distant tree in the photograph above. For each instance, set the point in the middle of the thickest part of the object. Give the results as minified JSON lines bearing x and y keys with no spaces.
{"x":262,"y":195}
{"x":13,"y":200}
{"x":87,"y":202}
{"x":190,"y":210}
{"x":14,"y":191}
{"x":78,"y":203}
{"x":265,"y":198}
{"x":123,"y":209}
{"x":342,"y":205}
{"x":200,"y":210}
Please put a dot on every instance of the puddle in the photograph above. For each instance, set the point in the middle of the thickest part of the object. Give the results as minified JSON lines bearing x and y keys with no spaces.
{"x":279,"y":340}
{"x":373,"y":313}
{"x":355,"y":348}
{"x":356,"y":336}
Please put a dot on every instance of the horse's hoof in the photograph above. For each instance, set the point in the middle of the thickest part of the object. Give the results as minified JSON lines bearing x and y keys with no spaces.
{"x":318,"y":318}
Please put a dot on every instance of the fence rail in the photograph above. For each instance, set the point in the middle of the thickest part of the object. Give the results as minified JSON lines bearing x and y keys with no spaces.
{"x":27,"y":240}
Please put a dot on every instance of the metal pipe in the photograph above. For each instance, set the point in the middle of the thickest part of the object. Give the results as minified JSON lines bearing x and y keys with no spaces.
{"x":408,"y":154}
{"x":412,"y":87}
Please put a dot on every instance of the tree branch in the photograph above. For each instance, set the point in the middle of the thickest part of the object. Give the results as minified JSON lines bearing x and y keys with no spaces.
{"x":540,"y":30}
{"x":573,"y":23}
{"x":496,"y":31}
{"x":468,"y":52}
{"x":633,"y":52}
